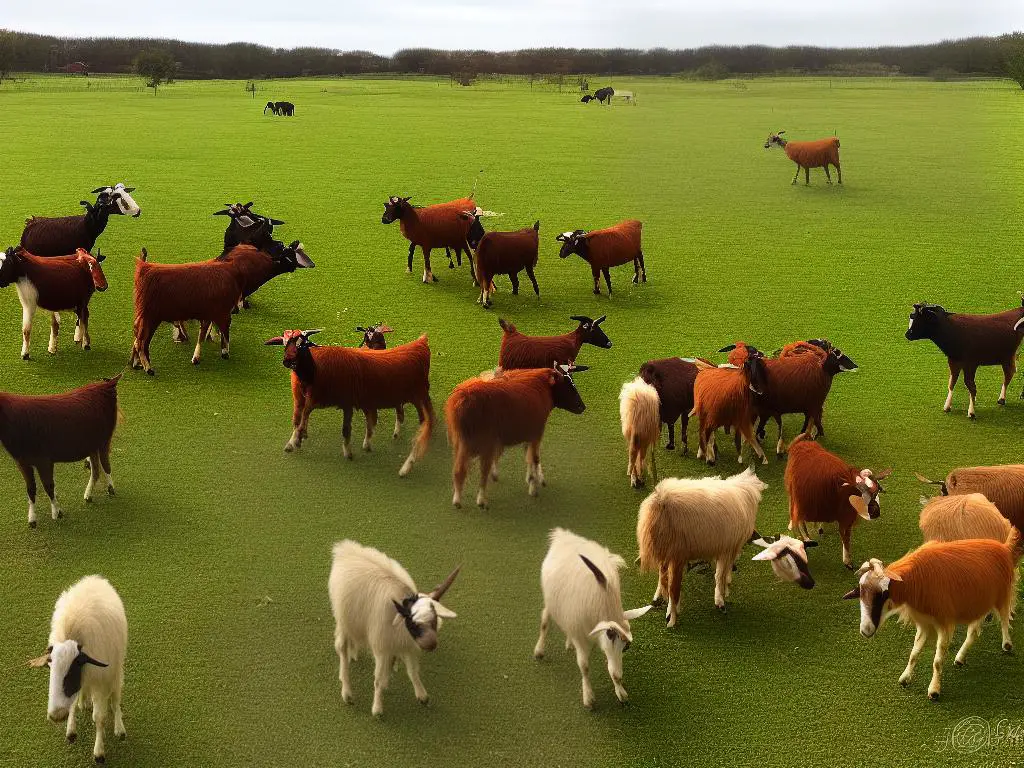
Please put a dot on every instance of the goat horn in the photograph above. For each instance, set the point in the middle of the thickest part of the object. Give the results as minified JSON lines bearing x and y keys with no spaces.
{"x":601,"y":578}
{"x":440,"y":589}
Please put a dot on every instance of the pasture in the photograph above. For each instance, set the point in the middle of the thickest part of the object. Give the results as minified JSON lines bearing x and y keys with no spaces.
{"x":219,"y":542}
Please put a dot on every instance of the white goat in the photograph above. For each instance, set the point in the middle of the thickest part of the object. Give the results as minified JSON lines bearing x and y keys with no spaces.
{"x":376,"y":605}
{"x":788,"y":557}
{"x":640,"y":414}
{"x":580,"y":582}
{"x":690,"y":519}
{"x":88,"y":641}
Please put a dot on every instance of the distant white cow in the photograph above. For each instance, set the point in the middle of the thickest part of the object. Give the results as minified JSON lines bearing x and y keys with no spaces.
{"x":626,"y":96}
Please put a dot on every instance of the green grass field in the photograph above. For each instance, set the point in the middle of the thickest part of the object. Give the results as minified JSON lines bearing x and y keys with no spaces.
{"x":220,"y":543}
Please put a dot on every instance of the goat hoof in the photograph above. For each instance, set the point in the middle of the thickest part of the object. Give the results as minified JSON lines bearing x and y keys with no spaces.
{"x":933,"y":695}
{"x":848,"y":566}
{"x":1008,"y":647}
{"x":670,"y":447}
{"x":31,"y":523}
{"x":538,"y":655}
{"x":121,"y":736}
{"x":100,"y":759}
{"x":223,"y":355}
{"x":424,"y":701}
{"x":111,"y":491}
{"x":87,"y":347}
{"x":1001,"y":401}
{"x":72,"y":738}
{"x":971,"y":416}
{"x":947,"y":410}
{"x":24,"y":357}
{"x":195,"y":361}
{"x":150,"y":372}
{"x":88,"y":499}
{"x":957,"y":663}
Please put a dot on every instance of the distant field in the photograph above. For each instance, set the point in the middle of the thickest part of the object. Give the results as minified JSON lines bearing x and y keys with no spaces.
{"x":220,"y":543}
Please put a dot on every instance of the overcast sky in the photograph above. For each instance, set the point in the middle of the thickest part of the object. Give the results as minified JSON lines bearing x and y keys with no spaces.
{"x":384,"y":27}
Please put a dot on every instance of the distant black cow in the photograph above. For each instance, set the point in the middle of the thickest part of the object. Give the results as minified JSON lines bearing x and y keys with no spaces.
{"x":587,"y":99}
{"x":285,"y":108}
{"x":604,"y":95}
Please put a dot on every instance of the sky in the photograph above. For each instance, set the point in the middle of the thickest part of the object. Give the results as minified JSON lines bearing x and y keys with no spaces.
{"x":384,"y":27}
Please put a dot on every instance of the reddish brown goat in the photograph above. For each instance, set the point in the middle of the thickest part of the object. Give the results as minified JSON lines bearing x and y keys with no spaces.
{"x":55,"y":283}
{"x":606,"y":248}
{"x":39,"y":431}
{"x":673,"y":378}
{"x":1003,"y":485}
{"x":445,"y":225}
{"x":485,"y":415}
{"x":723,"y":397}
{"x":507,"y":253}
{"x":354,"y":378}
{"x":809,"y":154}
{"x":971,"y":341}
{"x":521,"y":351}
{"x":824,"y":488}
{"x":175,"y":293}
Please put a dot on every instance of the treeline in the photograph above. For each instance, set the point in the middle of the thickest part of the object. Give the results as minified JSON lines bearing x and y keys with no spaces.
{"x":43,"y":53}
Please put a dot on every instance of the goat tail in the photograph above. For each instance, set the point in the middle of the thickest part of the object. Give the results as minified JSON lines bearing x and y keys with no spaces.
{"x":941,"y":483}
{"x":646,"y":522}
{"x":419,"y":448}
{"x":1015,"y":544}
{"x":800,"y":438}
{"x":506,"y":326}
{"x":144,"y":256}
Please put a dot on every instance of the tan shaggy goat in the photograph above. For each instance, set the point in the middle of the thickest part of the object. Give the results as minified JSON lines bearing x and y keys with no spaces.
{"x":809,"y":154}
{"x":639,"y":412}
{"x":971,"y":516}
{"x":937,"y":587}
{"x":696,"y":519}
{"x":1002,"y":485}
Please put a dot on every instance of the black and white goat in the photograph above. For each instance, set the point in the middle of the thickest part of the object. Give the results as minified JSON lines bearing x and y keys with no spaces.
{"x":61,"y":236}
{"x":247,"y":227}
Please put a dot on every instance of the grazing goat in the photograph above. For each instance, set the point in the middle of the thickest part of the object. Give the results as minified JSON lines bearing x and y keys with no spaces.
{"x":587,"y":99}
{"x":1002,"y":485}
{"x":970,"y":516}
{"x":280,"y":108}
{"x":352,"y":378}
{"x":247,"y":227}
{"x":55,"y":283}
{"x":823,"y":488}
{"x":486,"y":415}
{"x":85,"y":653}
{"x":446,"y":225}
{"x":970,"y":341}
{"x":175,"y":293}
{"x":45,"y":236}
{"x":739,"y":352}
{"x":39,"y":431}
{"x":376,"y":605}
{"x":788,"y":558}
{"x":521,"y":351}
{"x":604,"y":95}
{"x":373,"y":338}
{"x":673,"y":379}
{"x":258,"y":266}
{"x":723,"y":397}
{"x":639,"y":409}
{"x":937,"y":587}
{"x":507,"y":253}
{"x":580,"y":582}
{"x":696,"y":519}
{"x":809,"y":154}
{"x":606,"y":248}
{"x":798,"y":381}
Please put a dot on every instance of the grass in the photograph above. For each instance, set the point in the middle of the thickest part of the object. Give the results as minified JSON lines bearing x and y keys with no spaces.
{"x":219,"y":543}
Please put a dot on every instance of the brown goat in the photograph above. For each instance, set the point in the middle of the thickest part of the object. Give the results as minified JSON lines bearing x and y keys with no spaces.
{"x":171,"y":293}
{"x":446,"y":225}
{"x":352,"y":378}
{"x":809,"y":154}
{"x":971,"y":341}
{"x":39,"y":431}
{"x":1002,"y":485}
{"x":485,"y":415}
{"x":673,"y":378}
{"x":521,"y":351}
{"x":606,"y":248}
{"x":507,"y":253}
{"x":723,"y":397}
{"x":824,"y":488}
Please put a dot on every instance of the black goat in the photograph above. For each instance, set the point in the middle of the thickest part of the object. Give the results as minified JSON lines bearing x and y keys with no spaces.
{"x":62,"y":236}
{"x":247,"y":227}
{"x":605,"y":94}
{"x":283,"y":108}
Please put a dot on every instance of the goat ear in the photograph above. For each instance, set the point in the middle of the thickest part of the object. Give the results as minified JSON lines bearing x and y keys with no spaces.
{"x":41,"y":661}
{"x":442,"y":611}
{"x":402,"y":610}
{"x":84,"y":658}
{"x":863,"y":569}
{"x":780,"y":133}
{"x":307,"y":334}
{"x":275,"y":222}
{"x":100,"y":257}
{"x":853,"y":594}
{"x":601,"y":319}
{"x":766,"y":554}
{"x":728,"y":348}
{"x":882,"y":475}
{"x":360,"y":329}
{"x":636,"y":613}
{"x":98,"y":190}
{"x":595,"y":570}
{"x":891,"y":576}
{"x":277,"y":341}
{"x":385,"y":329}
{"x":215,"y":213}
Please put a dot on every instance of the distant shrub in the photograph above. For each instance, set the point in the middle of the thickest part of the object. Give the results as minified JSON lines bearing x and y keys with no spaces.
{"x":944,"y":74}
{"x":711,"y":70}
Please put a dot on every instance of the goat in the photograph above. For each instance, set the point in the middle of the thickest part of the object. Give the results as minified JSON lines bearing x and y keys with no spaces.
{"x":376,"y":605}
{"x":373,"y":338}
{"x":604,"y":95}
{"x":1002,"y":485}
{"x":788,"y":558}
{"x":280,"y":108}
{"x":53,"y":283}
{"x":580,"y":582}
{"x":723,"y":397}
{"x":507,"y":253}
{"x":672,"y":379}
{"x":206,"y":291}
{"x":247,"y":227}
{"x":824,"y":488}
{"x":739,"y":352}
{"x":938,"y":586}
{"x":696,"y":519}
{"x":446,"y":225}
{"x":85,"y":653}
{"x":606,"y":248}
{"x":968,"y":516}
{"x":798,"y":381}
{"x":970,"y":341}
{"x":587,"y":99}
{"x":521,"y":351}
{"x":352,"y":378}
{"x":486,"y":415}
{"x":809,"y":154}
{"x":39,"y":431}
{"x":639,"y":413}
{"x":46,"y":236}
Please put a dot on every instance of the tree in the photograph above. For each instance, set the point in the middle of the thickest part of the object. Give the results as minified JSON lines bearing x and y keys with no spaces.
{"x":1015,"y":66}
{"x":7,"y":49}
{"x":156,"y":66}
